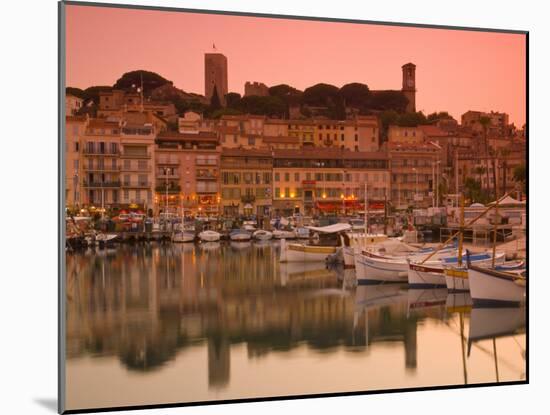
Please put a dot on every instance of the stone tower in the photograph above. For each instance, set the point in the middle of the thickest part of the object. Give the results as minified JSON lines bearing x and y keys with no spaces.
{"x":215,"y":74}
{"x":409,"y":85}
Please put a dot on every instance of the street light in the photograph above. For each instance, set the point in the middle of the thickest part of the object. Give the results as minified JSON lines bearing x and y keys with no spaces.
{"x":416,"y":187}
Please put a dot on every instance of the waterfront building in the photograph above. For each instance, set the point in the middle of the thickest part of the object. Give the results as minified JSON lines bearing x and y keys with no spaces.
{"x":75,"y":127}
{"x":187,"y":172}
{"x":412,"y":173}
{"x":246,"y":181}
{"x":137,"y":145}
{"x":215,"y":76}
{"x":193,"y":122}
{"x":327,"y":180}
{"x":100,"y":163}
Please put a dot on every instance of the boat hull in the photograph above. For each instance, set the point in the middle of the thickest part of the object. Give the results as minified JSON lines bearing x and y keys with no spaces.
{"x":372,"y":270}
{"x":305,"y":253}
{"x":208,"y":236}
{"x":262,"y":235}
{"x":420,"y":276}
{"x":490,"y":288}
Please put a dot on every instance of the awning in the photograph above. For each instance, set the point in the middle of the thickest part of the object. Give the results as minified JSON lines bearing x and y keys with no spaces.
{"x":337,"y":227}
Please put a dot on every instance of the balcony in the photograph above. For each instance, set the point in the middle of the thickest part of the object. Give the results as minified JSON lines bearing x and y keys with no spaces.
{"x":137,"y":185}
{"x":168,"y":161}
{"x":102,"y":168}
{"x":206,"y":177}
{"x":146,"y":169}
{"x":99,"y":152}
{"x":206,"y":162}
{"x":172,"y":188}
{"x":168,"y":176}
{"x":135,"y":155}
{"x":86,"y":183}
{"x":206,"y":187}
{"x":248,"y":199}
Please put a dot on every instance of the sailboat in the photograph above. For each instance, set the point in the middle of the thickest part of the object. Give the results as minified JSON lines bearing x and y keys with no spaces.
{"x":181,"y":234}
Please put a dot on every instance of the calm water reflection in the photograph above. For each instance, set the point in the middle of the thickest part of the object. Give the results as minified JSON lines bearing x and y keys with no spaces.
{"x":179,"y":323}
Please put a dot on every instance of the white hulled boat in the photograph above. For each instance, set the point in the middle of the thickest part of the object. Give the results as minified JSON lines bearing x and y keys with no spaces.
{"x":456,"y":278}
{"x":299,"y":252}
{"x":262,"y":235}
{"x":209,"y":236}
{"x":284,"y":234}
{"x":183,"y":236}
{"x":240,"y":235}
{"x":495,"y":288}
{"x":432,"y":274}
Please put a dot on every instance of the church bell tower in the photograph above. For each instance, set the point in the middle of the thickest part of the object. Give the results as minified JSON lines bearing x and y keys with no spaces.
{"x":409,"y":85}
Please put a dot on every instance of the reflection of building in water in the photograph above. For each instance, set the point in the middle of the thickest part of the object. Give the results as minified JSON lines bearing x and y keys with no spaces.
{"x":219,"y":362}
{"x":144,"y":303}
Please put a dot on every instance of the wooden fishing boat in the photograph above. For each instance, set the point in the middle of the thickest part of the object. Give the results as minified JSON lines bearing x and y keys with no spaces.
{"x":328,"y":246}
{"x":490,"y":287}
{"x":209,"y":236}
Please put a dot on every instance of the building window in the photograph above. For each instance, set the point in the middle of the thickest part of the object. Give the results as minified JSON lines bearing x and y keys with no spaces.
{"x":296,"y":177}
{"x":277,"y":192}
{"x":356,"y":137}
{"x":126,"y":195}
{"x":277,"y":177}
{"x":342,"y":137}
{"x":287,"y":177}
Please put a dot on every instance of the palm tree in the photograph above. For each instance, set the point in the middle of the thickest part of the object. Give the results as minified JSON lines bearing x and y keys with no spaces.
{"x":505,"y":152}
{"x":485,"y":122}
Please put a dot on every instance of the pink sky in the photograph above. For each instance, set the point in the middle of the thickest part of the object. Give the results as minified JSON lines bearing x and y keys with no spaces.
{"x":456,"y":70}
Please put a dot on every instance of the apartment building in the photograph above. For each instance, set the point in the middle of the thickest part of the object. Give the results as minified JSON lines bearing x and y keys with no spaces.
{"x":187,"y":172}
{"x":246,"y":182}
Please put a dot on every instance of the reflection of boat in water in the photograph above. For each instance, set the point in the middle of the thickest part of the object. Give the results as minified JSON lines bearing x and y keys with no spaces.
{"x":238,"y":245}
{"x":458,"y":302}
{"x":427,"y":300}
{"x":292,"y":271}
{"x":497,"y":288}
{"x":487,"y":323}
{"x":371,"y":296}
{"x":497,"y":323}
{"x":210,"y":246}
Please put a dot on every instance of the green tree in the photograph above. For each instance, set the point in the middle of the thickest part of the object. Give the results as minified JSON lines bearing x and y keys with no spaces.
{"x":232,"y":99}
{"x":485,"y":122}
{"x":520,"y":175}
{"x":355,"y":95}
{"x":215,"y":103}
{"x":389,"y":100}
{"x":321,"y":95}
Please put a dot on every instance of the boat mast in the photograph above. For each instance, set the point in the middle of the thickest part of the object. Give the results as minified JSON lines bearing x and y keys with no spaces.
{"x":461,"y":234}
{"x":366,"y":216}
{"x":495,"y":237}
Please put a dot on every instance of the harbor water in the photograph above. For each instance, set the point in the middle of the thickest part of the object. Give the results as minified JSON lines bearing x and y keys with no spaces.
{"x":174,"y":323}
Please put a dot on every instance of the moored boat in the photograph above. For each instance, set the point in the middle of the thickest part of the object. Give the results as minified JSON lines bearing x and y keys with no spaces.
{"x":296,"y":252}
{"x":262,"y":235}
{"x":209,"y":236}
{"x":240,"y":235}
{"x":183,"y":236}
{"x":284,"y":234}
{"x":432,"y":274}
{"x":490,"y":287}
